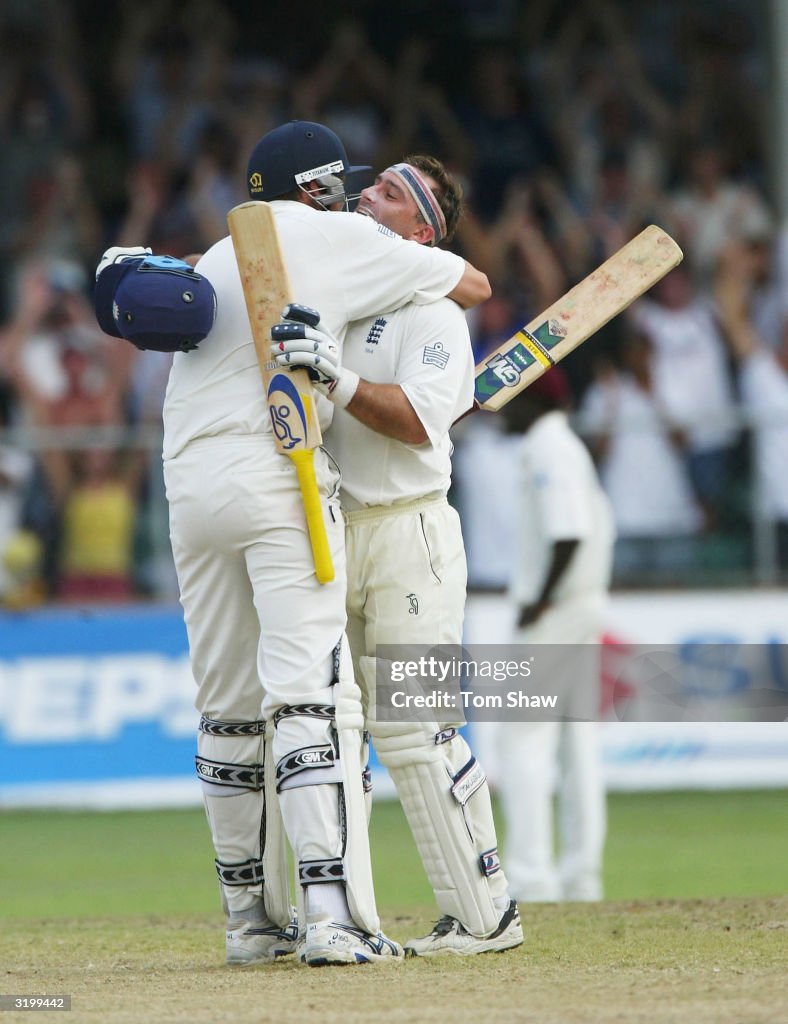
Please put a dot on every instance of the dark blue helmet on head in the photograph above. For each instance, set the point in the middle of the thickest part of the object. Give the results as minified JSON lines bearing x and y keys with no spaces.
{"x":155,"y":302}
{"x":295,"y":154}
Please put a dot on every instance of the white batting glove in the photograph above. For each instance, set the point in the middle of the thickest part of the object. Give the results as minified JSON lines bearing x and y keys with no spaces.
{"x":119,"y":253}
{"x":300,"y":340}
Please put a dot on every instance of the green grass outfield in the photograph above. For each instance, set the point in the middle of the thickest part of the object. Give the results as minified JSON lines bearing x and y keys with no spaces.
{"x":120,"y":912}
{"x":691,"y":845}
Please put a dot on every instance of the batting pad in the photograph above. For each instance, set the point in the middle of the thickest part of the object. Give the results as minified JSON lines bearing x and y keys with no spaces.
{"x":446,"y":799}
{"x":353,"y":756}
{"x":245,"y":821}
{"x":320,"y":764}
{"x":276,"y":888}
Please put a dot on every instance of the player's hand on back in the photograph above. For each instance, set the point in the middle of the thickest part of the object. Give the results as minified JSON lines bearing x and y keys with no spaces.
{"x":531,"y":613}
{"x":300,"y":340}
{"x":121,"y":253}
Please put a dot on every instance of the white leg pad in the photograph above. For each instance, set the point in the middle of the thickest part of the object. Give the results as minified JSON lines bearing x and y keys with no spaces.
{"x":245,"y":824}
{"x":353,"y":755}
{"x":445,"y":797}
{"x":276,"y":886}
{"x":320,"y":764}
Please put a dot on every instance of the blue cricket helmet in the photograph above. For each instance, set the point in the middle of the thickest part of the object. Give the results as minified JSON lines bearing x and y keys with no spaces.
{"x":155,"y":302}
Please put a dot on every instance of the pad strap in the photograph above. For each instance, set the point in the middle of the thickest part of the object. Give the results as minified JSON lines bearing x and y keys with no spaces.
{"x":214,"y":728}
{"x":467,"y":780}
{"x":490,"y":862}
{"x":317,"y":756}
{"x":324,"y":711}
{"x":304,"y":759}
{"x":244,"y":776}
{"x":246,"y":872}
{"x":321,"y":872}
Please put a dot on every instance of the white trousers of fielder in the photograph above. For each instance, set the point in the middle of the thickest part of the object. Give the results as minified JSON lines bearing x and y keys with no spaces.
{"x":547,"y":765}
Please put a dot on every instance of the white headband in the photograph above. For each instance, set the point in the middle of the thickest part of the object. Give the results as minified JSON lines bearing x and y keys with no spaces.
{"x":425,"y":200}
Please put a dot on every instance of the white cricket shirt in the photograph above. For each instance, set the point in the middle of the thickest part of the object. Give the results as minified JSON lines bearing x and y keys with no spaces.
{"x":426,"y":349}
{"x":343,"y":265}
{"x":560,"y":498}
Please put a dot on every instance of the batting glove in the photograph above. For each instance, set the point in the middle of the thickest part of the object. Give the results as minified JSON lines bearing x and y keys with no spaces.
{"x":299,"y":340}
{"x":119,"y":254}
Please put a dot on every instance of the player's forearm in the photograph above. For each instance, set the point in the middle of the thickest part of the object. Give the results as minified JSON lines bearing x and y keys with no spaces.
{"x":560,"y":557}
{"x":385,"y":409}
{"x":562,"y":553}
{"x":472,"y":288}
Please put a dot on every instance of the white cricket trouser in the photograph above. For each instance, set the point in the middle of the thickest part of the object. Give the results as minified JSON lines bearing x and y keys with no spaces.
{"x":406,"y":575}
{"x":262,"y":630}
{"x":543,"y":760}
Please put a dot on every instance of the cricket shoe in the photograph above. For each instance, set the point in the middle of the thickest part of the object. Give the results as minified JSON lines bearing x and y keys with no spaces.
{"x":449,"y":937}
{"x":259,"y":942}
{"x":328,"y":942}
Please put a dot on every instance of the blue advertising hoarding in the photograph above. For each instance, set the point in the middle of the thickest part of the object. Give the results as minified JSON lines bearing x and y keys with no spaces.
{"x":96,"y":707}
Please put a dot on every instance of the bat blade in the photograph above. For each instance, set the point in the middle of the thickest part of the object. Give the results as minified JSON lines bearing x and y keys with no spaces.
{"x":267,"y":291}
{"x":575,"y":317}
{"x":289,"y":394}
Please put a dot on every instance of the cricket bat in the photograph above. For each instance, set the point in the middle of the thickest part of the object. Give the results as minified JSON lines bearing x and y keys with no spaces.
{"x":570,"y":321}
{"x":288,"y":393}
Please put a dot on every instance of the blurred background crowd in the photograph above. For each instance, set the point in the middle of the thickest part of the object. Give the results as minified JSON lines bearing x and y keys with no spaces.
{"x":571,"y":125}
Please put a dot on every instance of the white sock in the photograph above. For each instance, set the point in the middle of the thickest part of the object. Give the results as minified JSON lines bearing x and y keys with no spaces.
{"x":328,"y":899}
{"x":255,"y":913}
{"x":501,"y":903}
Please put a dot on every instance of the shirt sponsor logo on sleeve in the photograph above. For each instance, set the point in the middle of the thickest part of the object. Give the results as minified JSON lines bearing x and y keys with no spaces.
{"x":434,"y":355}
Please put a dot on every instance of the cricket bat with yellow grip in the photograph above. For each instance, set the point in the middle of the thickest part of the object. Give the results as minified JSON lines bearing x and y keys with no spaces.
{"x":288,"y":393}
{"x":585,"y":308}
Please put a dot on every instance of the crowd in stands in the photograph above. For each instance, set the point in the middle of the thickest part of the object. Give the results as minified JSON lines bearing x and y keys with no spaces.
{"x":570,"y":126}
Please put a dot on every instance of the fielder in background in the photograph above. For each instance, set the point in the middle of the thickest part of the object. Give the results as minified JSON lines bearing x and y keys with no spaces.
{"x":282,"y":721}
{"x":560,"y":588}
{"x":405,"y":377}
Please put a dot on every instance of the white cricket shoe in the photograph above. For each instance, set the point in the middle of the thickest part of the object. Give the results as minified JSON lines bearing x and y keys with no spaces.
{"x":449,"y":937}
{"x":259,"y":942}
{"x":330,"y":943}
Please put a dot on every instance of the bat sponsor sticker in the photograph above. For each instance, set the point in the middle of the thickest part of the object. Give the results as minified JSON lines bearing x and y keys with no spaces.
{"x":549,"y":333}
{"x":536,"y":348}
{"x":290,"y":411}
{"x":503,"y":370}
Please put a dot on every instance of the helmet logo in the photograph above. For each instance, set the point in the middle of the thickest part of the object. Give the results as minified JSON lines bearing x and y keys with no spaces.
{"x":337,"y":167}
{"x":256,"y":182}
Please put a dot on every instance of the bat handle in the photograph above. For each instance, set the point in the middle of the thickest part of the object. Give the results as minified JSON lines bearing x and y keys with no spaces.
{"x":321,"y":553}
